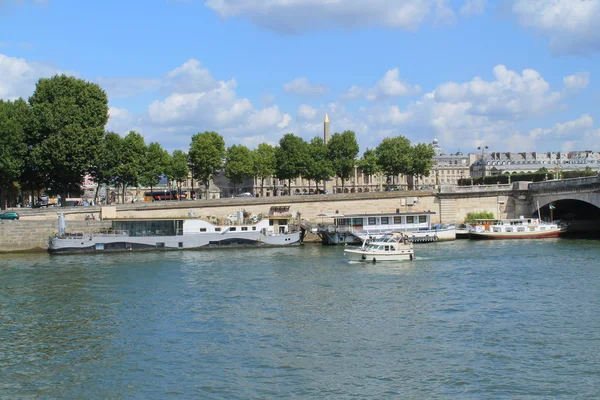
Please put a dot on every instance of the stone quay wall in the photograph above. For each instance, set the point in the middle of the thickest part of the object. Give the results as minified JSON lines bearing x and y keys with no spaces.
{"x":30,"y":236}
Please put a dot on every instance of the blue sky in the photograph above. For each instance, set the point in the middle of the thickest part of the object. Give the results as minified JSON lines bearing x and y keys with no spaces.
{"x":515,"y":75}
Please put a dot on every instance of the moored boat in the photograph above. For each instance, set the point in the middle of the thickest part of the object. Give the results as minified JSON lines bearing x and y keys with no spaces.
{"x":521,"y":228}
{"x":355,"y":228}
{"x":389,"y":247}
{"x":176,"y":234}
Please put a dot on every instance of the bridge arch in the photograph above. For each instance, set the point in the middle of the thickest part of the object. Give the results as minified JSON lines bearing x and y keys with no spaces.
{"x":568,"y":209}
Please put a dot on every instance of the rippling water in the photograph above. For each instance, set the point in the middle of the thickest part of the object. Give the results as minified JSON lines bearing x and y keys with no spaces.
{"x":512,"y":319}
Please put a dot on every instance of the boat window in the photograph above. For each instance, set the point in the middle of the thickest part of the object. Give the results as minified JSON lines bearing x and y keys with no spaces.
{"x":497,"y":229}
{"x":357,"y":222}
{"x":543,"y":228}
{"x":385,"y":220}
{"x":372,"y":221}
{"x":387,"y":248}
{"x":422,"y":218}
{"x":532,"y":229}
{"x":397,"y":220}
{"x":233,"y":228}
{"x":202,"y":229}
{"x":509,"y":229}
{"x":180,"y":245}
{"x":244,"y":228}
{"x":410,"y":219}
{"x":217,"y":229}
{"x":521,"y":229}
{"x":253,"y":228}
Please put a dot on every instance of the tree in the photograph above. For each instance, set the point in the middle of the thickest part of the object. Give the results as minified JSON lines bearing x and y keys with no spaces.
{"x":110,"y":157}
{"x":14,"y":117}
{"x":238,"y":165}
{"x":394,"y":156}
{"x":156,"y":163}
{"x":207,"y":151}
{"x":178,"y":170}
{"x":368,"y":163}
{"x":421,"y":162}
{"x":68,"y":119}
{"x":343,"y":150}
{"x":263,"y":163}
{"x":319,"y":167}
{"x":131,"y":162}
{"x":291,"y":156}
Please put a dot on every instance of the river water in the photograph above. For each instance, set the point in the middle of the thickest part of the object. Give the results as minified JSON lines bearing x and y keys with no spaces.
{"x":508,"y":319}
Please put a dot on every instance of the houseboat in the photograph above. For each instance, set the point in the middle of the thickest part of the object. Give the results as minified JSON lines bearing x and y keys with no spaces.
{"x":178,"y":234}
{"x":355,"y":228}
{"x":521,"y":228}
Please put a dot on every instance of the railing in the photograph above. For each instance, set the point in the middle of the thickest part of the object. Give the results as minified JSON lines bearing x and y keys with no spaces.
{"x":476,"y":188}
{"x":564,"y":184}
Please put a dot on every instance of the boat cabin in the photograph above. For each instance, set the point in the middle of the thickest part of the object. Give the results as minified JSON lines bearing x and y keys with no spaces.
{"x":409,"y":221}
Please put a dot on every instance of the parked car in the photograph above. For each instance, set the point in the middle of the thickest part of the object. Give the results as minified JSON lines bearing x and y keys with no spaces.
{"x":9,"y":215}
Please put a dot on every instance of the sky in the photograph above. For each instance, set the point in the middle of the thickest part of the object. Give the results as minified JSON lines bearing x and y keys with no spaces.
{"x":513,"y":75}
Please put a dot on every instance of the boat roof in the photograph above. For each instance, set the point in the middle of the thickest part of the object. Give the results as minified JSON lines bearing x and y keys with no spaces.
{"x":378,"y":214}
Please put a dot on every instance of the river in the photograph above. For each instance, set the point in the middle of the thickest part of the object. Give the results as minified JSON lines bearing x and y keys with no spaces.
{"x":502,"y":319}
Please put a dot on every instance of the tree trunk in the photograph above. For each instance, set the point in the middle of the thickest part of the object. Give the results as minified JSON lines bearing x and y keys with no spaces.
{"x":289,"y":187}
{"x":262,"y":187}
{"x":192,"y":193}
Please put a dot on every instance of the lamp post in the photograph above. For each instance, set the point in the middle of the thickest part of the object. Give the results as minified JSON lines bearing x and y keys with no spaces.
{"x":482,"y":148}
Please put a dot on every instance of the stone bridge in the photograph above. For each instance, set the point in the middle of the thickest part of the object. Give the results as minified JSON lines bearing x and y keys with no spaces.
{"x":574,"y":200}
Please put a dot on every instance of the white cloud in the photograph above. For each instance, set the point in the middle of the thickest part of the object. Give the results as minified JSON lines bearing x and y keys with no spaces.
{"x":293,"y":16}
{"x":302,"y":86}
{"x":391,"y":86}
{"x":571,"y":25}
{"x":306,"y":112}
{"x":473,"y":7}
{"x":579,"y":80}
{"x":509,"y":95}
{"x":19,"y":76}
{"x":189,"y":78}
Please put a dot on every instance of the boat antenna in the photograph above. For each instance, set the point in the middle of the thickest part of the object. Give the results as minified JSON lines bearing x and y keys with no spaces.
{"x":538,"y":209}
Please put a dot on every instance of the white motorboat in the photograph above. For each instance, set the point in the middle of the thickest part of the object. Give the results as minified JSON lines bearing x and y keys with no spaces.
{"x":389,"y":247}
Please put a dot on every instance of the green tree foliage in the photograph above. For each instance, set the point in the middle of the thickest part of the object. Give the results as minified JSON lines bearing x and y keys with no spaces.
{"x":369,"y":163}
{"x":178,"y":170}
{"x":131,"y":162}
{"x":394,"y":156}
{"x":479,"y":215}
{"x":343,"y":149}
{"x":292,"y":157}
{"x":14,"y":117}
{"x":207,"y":151}
{"x":68,"y":119}
{"x":263,"y":163}
{"x":319,"y":166}
{"x":421,"y":162}
{"x":156,"y":163}
{"x":110,"y":157}
{"x":238,"y":165}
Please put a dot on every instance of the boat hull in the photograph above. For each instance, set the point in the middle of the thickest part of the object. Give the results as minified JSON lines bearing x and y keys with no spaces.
{"x":116,"y":243}
{"x":365,"y":256}
{"x":553,"y":233}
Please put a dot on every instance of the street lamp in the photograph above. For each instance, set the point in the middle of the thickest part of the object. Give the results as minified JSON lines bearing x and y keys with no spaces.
{"x":482,"y":148}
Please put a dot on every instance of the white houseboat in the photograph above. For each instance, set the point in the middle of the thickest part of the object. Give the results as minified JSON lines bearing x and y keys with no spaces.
{"x":355,"y":228}
{"x":521,"y":228}
{"x":177,"y":234}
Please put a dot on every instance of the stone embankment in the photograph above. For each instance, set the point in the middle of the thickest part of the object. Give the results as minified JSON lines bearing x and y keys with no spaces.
{"x":28,"y":236}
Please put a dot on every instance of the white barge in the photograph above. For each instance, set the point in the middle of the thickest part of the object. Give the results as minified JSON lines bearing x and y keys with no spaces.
{"x":175,"y":234}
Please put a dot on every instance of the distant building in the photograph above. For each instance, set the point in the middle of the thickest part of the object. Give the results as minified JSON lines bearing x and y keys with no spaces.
{"x":528,"y":162}
{"x":447,"y":168}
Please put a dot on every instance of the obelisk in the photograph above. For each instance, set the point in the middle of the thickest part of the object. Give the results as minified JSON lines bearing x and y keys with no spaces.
{"x":326,"y":133}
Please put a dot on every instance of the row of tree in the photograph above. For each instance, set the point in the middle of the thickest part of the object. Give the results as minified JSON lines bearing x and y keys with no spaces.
{"x":58,"y":136}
